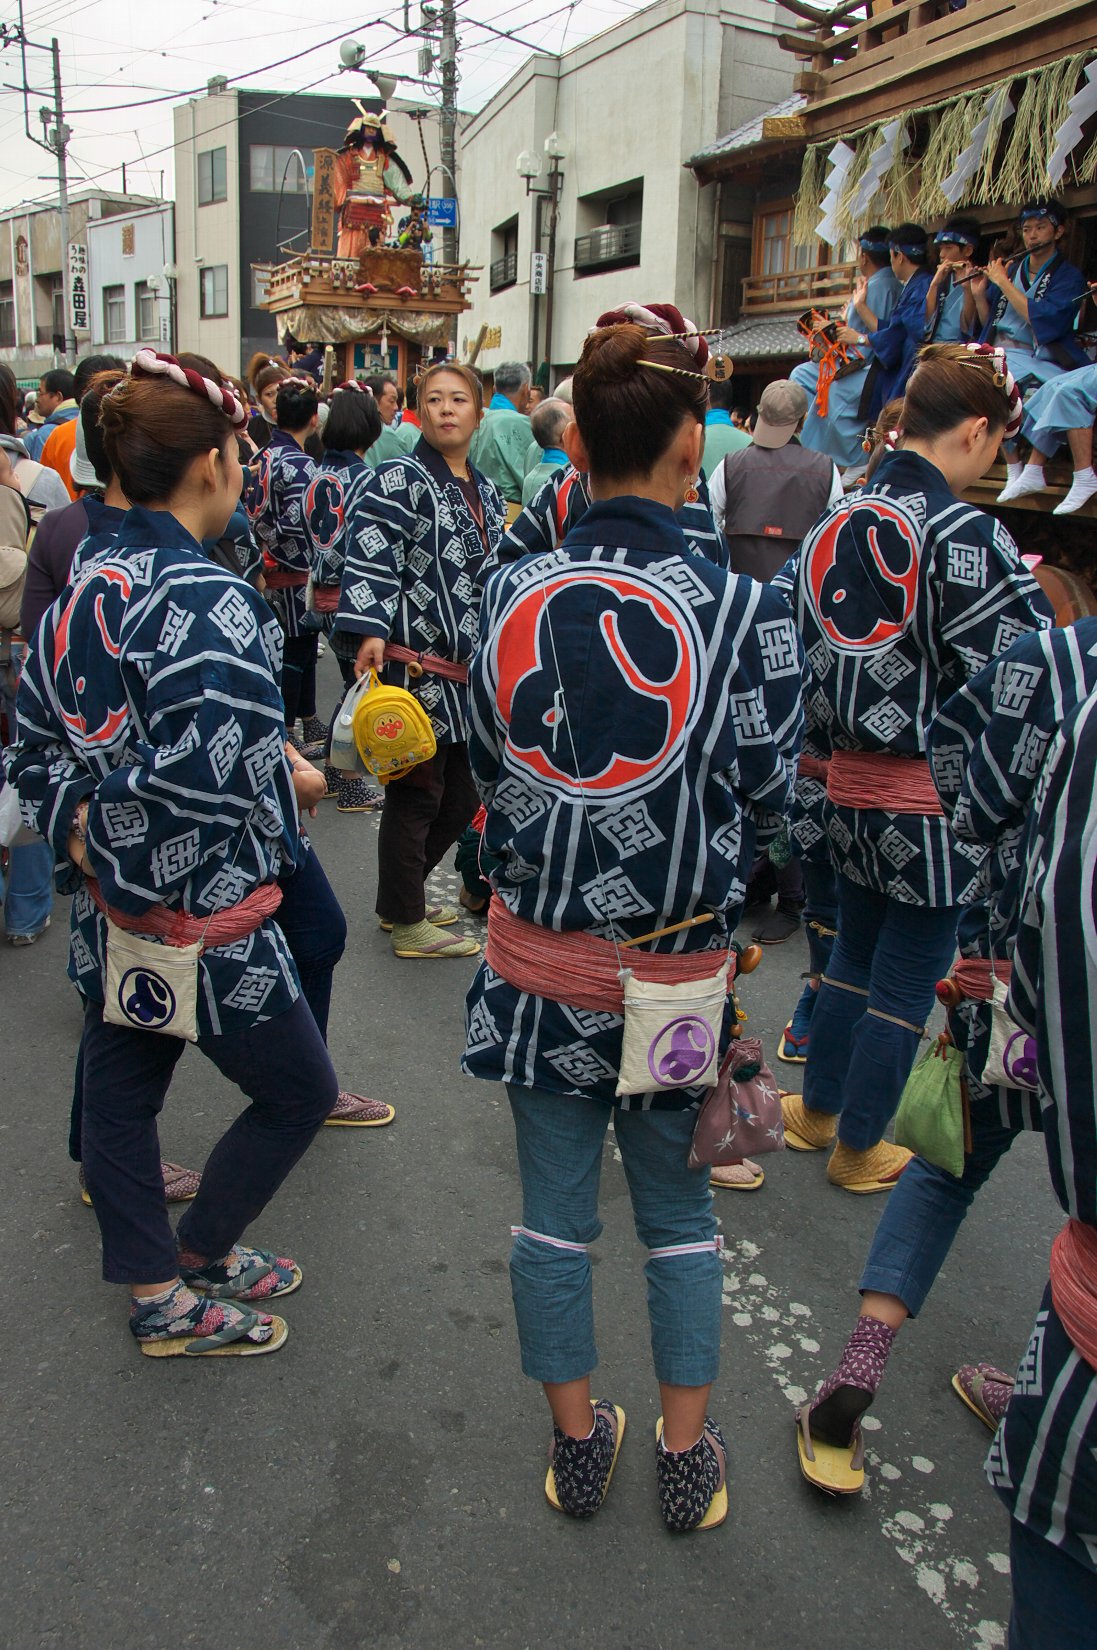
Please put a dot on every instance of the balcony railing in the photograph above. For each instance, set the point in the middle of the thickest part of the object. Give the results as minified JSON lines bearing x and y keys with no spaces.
{"x":503,"y":272}
{"x":612,"y":244}
{"x":826,"y":286}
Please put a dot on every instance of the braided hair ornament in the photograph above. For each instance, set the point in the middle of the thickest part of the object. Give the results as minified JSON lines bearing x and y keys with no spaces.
{"x":1004,"y":381}
{"x":148,"y":363}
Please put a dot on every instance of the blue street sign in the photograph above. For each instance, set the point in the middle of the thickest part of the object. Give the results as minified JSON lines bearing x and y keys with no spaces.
{"x":442,"y":213}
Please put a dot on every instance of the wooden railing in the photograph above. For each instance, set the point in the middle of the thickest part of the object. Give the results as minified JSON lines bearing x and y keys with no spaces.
{"x":827,"y":286}
{"x":837,"y":40}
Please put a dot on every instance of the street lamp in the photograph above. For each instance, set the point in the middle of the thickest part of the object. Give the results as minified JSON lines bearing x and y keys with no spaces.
{"x":528,"y":166}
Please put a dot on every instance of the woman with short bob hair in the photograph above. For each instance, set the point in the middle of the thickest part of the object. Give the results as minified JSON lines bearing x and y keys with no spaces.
{"x":633,"y":749}
{"x":152,"y":758}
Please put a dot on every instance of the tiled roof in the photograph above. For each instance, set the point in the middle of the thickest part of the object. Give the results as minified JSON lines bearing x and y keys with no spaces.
{"x":760,"y":340}
{"x":745,"y":137}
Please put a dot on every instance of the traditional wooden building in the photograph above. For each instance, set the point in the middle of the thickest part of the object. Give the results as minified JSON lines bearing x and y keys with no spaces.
{"x":971,"y":105}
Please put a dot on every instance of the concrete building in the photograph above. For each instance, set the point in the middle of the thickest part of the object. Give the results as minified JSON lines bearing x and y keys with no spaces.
{"x":232,"y":151}
{"x":131,"y":270}
{"x":623,"y":112}
{"x":32,"y":305}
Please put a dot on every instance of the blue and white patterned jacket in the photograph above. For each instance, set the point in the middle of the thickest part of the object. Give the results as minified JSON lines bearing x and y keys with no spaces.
{"x":902,"y":594}
{"x":682,"y":686}
{"x":152,"y":691}
{"x":416,"y":561}
{"x":274,"y":495}
{"x":544,"y":521}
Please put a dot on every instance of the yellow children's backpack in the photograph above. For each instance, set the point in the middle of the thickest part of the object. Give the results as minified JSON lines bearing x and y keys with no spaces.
{"x":391,"y":730}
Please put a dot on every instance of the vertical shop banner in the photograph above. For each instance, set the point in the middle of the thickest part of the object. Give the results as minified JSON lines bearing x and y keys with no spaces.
{"x":323,"y":200}
{"x":78,"y":287}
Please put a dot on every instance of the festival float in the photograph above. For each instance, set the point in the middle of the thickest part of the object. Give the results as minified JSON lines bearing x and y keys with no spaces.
{"x":369,"y":277}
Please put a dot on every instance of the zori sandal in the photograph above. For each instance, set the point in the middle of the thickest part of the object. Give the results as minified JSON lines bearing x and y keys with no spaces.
{"x":442,"y":916}
{"x":243,"y":1275}
{"x":806,"y":1130}
{"x":425,"y":939}
{"x":580,"y":1469}
{"x":354,"y":1111}
{"x":793,"y":1050}
{"x":744,"y":1176}
{"x":835,"y":1469}
{"x":208,"y":1329}
{"x":971,"y":1383}
{"x":180,"y":1185}
{"x":693,"y":1491}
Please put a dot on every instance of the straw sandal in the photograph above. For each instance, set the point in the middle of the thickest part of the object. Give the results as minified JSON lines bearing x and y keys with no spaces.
{"x":180,"y":1185}
{"x":244,"y":1275}
{"x":214,"y":1329}
{"x":442,"y":916}
{"x":580,"y":1469}
{"x":354,"y":1111}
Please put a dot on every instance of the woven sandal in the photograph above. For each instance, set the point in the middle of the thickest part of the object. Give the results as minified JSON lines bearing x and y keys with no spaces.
{"x":354,"y":1111}
{"x":693,"y":1491}
{"x":244,"y":1275}
{"x":806,"y":1130}
{"x":442,"y":916}
{"x":969,"y":1384}
{"x":835,"y":1469}
{"x":743,"y":1176}
{"x":180,"y":1185}
{"x":213,"y":1329}
{"x":874,"y":1170}
{"x":446,"y":945}
{"x":580,"y":1469}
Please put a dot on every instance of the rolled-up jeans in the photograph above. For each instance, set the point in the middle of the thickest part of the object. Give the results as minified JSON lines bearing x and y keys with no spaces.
{"x":878,"y":988}
{"x":925,"y":1211}
{"x":560,"y":1139}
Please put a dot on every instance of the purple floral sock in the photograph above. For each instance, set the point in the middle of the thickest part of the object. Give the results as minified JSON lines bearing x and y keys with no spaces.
{"x":846,"y":1394}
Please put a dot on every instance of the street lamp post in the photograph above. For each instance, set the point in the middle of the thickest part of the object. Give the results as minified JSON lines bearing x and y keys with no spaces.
{"x":529,"y":168}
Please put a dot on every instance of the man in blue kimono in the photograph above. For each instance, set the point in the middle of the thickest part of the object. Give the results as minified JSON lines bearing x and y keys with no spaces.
{"x":947,"y":297}
{"x":895,"y":345}
{"x":839,"y":432}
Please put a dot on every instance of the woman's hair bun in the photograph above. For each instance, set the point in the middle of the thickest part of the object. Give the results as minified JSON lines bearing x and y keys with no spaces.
{"x":614,"y":352}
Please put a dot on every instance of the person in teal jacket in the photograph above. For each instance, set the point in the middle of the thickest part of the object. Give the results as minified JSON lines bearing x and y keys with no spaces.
{"x":547,"y":423}
{"x":499,"y":448}
{"x":395,"y":440}
{"x":721,"y":436}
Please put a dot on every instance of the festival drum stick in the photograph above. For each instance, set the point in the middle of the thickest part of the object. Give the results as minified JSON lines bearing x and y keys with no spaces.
{"x":675,"y":928}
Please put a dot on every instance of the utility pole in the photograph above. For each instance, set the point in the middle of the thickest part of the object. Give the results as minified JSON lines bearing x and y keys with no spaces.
{"x":447,"y":57}
{"x":60,"y":134}
{"x":54,"y":139}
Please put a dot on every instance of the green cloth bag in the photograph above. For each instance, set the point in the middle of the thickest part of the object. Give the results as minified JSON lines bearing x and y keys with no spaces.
{"x":930,"y":1119}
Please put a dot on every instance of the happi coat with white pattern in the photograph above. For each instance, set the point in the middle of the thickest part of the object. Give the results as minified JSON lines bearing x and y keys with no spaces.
{"x":1043,"y":1461}
{"x":274,"y":495}
{"x":987,"y":753}
{"x":902,"y":593}
{"x":151,"y":691}
{"x":681,"y":687}
{"x":565,"y":498}
{"x":415,"y":563}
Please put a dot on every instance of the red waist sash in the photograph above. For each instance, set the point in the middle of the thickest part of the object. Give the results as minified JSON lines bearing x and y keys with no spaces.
{"x":179,"y":928}
{"x":279,"y":578}
{"x":325,"y":598}
{"x":872,"y":779}
{"x":579,"y":969}
{"x":1074,"y":1286}
{"x":430,"y":662}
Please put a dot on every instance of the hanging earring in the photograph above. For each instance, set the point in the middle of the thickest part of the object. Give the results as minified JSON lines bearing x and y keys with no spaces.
{"x":692,"y":495}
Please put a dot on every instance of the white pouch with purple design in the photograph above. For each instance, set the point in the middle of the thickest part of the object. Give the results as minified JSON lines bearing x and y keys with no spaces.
{"x":1011,"y":1054}
{"x":672,"y":1032}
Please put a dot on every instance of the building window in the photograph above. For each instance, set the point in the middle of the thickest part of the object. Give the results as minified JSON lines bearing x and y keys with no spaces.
{"x":774,"y":251}
{"x":504,"y":256}
{"x":270,"y":162}
{"x":114,"y":314}
{"x":147,"y":324}
{"x":215,"y":291}
{"x":57,"y":306}
{"x":260,"y":279}
{"x":212,"y":176}
{"x":129,"y":240}
{"x":7,"y":315}
{"x":613,"y":238}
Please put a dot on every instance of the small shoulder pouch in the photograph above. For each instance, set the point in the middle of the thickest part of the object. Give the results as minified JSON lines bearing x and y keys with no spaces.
{"x":151,"y":987}
{"x":672,"y":1032}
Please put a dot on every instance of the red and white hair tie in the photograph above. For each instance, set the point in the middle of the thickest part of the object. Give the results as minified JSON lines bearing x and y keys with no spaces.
{"x":352,"y":384}
{"x":658,"y":318}
{"x":1005,"y":381}
{"x":148,"y":363}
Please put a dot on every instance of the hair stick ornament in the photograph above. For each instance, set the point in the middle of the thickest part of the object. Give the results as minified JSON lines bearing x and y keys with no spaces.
{"x":679,"y":372}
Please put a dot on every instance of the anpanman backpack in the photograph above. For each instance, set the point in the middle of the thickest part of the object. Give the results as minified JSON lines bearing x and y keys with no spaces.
{"x":381,"y":730}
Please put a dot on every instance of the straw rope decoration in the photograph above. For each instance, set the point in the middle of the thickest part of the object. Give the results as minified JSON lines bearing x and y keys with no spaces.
{"x":148,"y":363}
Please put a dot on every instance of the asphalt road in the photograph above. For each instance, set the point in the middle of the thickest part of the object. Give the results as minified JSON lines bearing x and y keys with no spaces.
{"x":379,"y":1481}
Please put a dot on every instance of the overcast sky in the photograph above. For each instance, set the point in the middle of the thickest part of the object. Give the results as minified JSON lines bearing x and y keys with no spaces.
{"x":117,"y":54}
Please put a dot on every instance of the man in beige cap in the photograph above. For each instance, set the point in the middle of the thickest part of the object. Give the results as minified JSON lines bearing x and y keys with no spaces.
{"x":766,"y":497}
